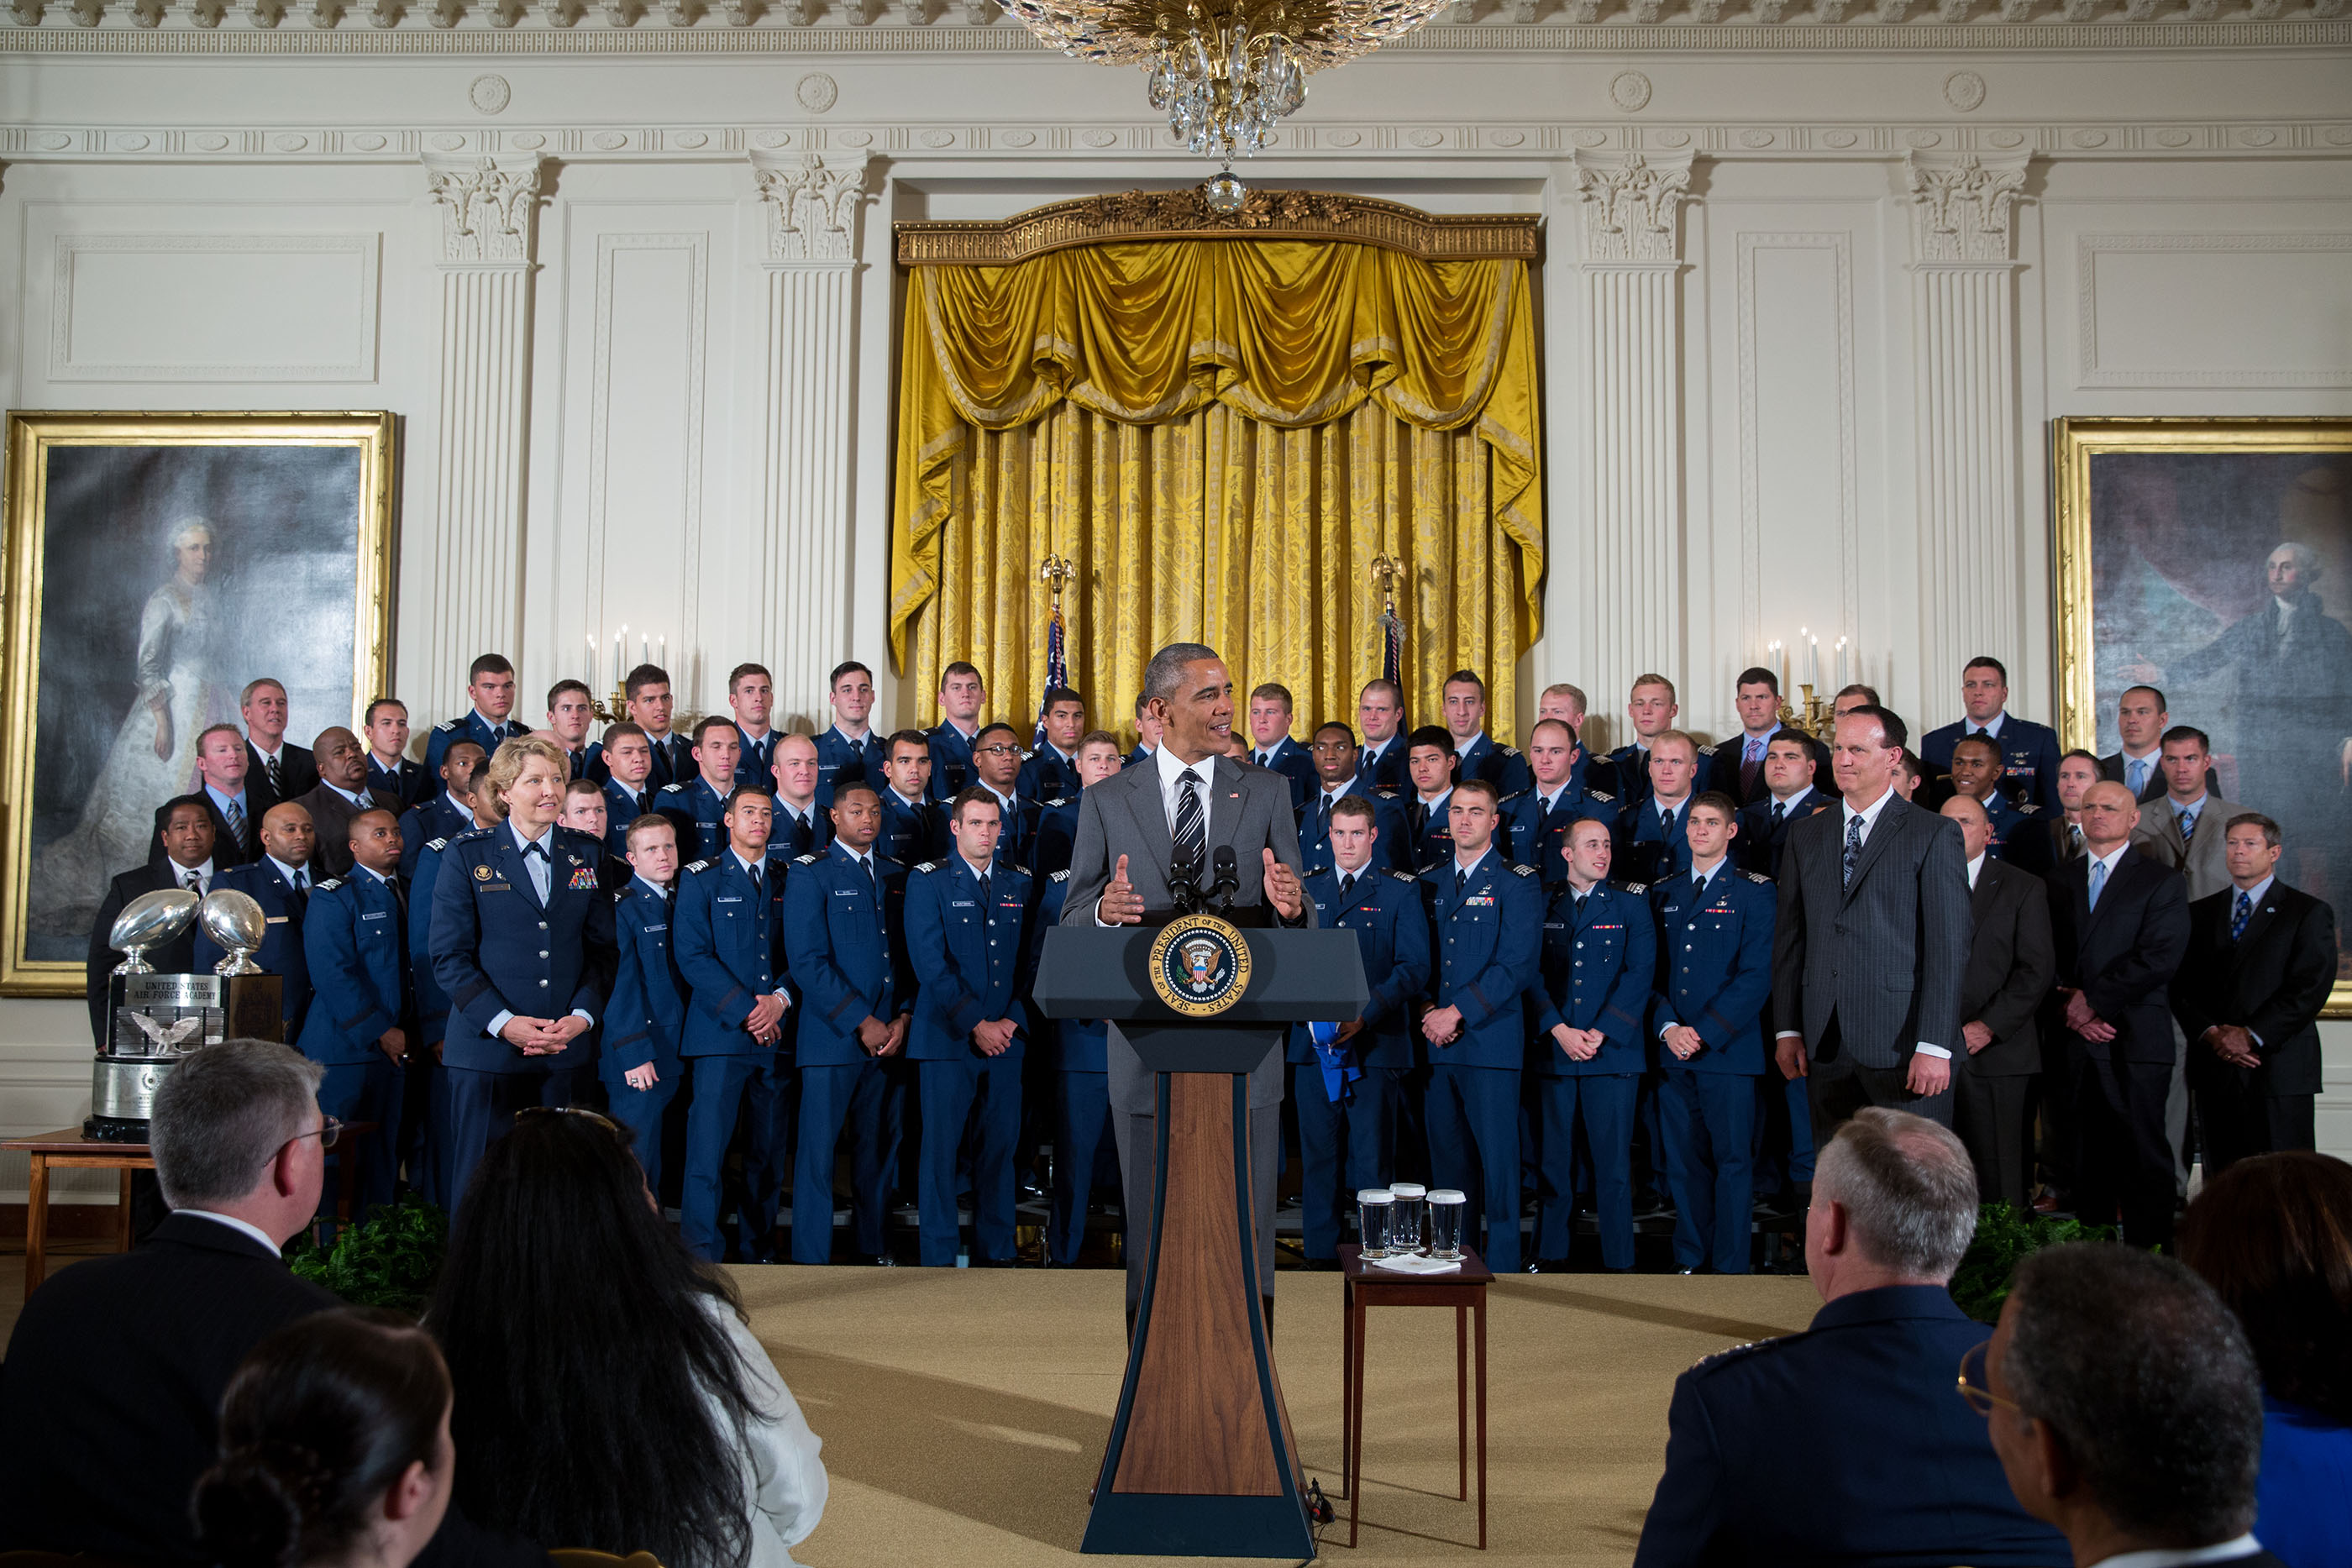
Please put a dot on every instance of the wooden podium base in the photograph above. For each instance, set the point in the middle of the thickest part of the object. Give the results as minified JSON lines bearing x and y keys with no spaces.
{"x":1201,"y":1462}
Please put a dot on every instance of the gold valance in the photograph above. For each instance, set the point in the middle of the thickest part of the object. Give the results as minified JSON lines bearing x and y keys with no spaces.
{"x":1290,"y":333}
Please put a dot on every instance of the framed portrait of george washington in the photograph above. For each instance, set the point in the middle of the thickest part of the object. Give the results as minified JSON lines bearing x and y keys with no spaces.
{"x":153,"y":564}
{"x":2211,"y":560}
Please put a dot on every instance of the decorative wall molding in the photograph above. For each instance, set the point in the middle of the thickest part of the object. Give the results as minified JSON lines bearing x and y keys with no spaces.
{"x":811,"y":204}
{"x":357,"y":350}
{"x":489,"y":204}
{"x":1541,"y":140}
{"x":1960,"y":206}
{"x":1629,"y":203}
{"x":1840,"y":247}
{"x":793,"y":27}
{"x":2091,"y":372}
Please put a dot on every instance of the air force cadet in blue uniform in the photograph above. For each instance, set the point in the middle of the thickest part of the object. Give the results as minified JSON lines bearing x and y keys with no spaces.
{"x":2028,"y":752}
{"x":390,"y":771}
{"x":450,"y":812}
{"x":1429,"y":765}
{"x":1337,"y":778}
{"x":845,"y":935}
{"x":1652,"y":837}
{"x":629,"y":787}
{"x":728,"y":938}
{"x":281,"y":883}
{"x":1082,"y":1132}
{"x":1599,"y":962}
{"x":914,"y":826}
{"x":491,"y":685}
{"x":1052,"y":770}
{"x":1272,"y":748}
{"x":801,"y":827}
{"x":1651,"y":708}
{"x":697,"y":806}
{"x":962,"y":696}
{"x":848,"y":750}
{"x":996,"y":757}
{"x":1379,"y":715}
{"x":1486,"y":917}
{"x":1346,"y":1094}
{"x":967,"y":934}
{"x":1057,"y":820}
{"x":521,"y":932}
{"x":646,"y":1020}
{"x":1478,"y":756}
{"x":1537,"y":820}
{"x":355,"y":945}
{"x":1715,"y":976}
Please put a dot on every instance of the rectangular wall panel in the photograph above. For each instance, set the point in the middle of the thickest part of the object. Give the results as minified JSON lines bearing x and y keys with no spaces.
{"x":214,"y":308}
{"x":2214,"y":310}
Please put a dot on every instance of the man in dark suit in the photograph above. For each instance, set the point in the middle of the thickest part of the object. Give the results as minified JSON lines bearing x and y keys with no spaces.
{"x":1792,"y":792}
{"x":1845,"y":1444}
{"x":2262,"y":960}
{"x":185,"y":829}
{"x":1134,"y":831}
{"x":2121,"y":924}
{"x":2009,"y":973}
{"x":133,"y":1350}
{"x":2141,"y":721}
{"x":340,"y":794}
{"x":2028,"y":752}
{"x":2077,"y":771}
{"x":1871,"y":940}
{"x":1734,"y":767}
{"x":2131,"y":1468}
{"x":236,"y":810}
{"x":274,"y":771}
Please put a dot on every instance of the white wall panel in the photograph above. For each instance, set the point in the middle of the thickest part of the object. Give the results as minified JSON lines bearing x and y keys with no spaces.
{"x":268,"y":308}
{"x":2229,"y":309}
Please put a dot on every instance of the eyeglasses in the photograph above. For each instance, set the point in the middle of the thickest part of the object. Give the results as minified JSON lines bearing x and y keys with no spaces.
{"x":1002,"y":749}
{"x":329,"y":1131}
{"x":1976,"y":1386}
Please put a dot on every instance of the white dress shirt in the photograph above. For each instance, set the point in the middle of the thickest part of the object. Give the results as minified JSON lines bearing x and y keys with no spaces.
{"x":1975,"y":866}
{"x":2183,"y":1557}
{"x":234,"y":1223}
{"x":204,"y":870}
{"x":783,"y":1480}
{"x":1169,"y":769}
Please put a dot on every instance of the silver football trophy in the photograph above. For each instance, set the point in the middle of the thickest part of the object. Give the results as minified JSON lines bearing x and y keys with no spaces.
{"x":153,"y":1021}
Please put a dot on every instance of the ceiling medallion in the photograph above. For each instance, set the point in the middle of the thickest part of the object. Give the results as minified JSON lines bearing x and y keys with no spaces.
{"x":1223,"y":70}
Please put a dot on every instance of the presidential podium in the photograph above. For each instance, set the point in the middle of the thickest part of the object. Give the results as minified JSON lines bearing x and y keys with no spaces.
{"x":1201,"y":1462}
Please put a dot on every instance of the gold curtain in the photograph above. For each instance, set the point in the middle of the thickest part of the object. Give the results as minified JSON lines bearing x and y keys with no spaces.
{"x":1222,"y":434}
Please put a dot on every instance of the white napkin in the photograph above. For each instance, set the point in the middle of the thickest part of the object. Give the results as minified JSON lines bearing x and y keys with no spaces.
{"x":1414,"y":1263}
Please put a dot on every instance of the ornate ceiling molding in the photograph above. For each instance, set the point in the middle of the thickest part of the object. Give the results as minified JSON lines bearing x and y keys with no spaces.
{"x":1184,"y":215}
{"x":506,"y":28}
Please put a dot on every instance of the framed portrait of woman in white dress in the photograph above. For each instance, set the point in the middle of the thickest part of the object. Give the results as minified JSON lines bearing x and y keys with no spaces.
{"x":155,"y":564}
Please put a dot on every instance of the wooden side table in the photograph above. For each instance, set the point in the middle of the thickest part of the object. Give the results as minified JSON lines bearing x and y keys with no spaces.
{"x":71,"y":1149}
{"x":1365,"y":1286}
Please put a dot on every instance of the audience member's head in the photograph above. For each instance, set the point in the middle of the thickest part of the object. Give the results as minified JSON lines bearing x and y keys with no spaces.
{"x":586,"y":1348}
{"x":236,"y":1131}
{"x":334,"y":1448}
{"x":2124,"y":1402}
{"x":1895,"y":1203}
{"x":2272,"y":1235}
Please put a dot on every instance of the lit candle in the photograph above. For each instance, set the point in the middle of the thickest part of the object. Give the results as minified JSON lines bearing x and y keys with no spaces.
{"x":642,"y":648}
{"x":1844,"y":679}
{"x":592,"y":660}
{"x":1774,"y":662}
{"x":661,"y":650}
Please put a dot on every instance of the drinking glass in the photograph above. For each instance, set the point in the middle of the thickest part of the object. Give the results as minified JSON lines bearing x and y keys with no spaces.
{"x":1446,"y":1207}
{"x":1375,"y":1206}
{"x":1404,"y":1228}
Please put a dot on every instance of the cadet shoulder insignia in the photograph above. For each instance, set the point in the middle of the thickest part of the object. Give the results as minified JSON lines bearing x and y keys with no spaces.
{"x":1600,"y":795}
{"x":1635,"y":886}
{"x":1758,"y":876}
{"x":1386,"y":794}
{"x":1017,"y":866}
{"x":328,"y":886}
{"x":1513,"y":795}
{"x":1523,"y":870}
{"x":2027,"y":809}
{"x":438,"y":844}
{"x":697,"y":867}
{"x":927,"y":867}
{"x":1707,"y":751}
{"x":1058,"y":801}
{"x":1508,"y":750}
{"x":807,"y":860}
{"x":1406,"y":877}
{"x":471,"y":835}
{"x":1061,"y":876}
{"x":450,"y":726}
{"x":672,"y":790}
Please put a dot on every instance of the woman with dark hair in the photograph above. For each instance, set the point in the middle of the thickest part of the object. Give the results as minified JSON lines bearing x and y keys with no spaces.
{"x":609,"y":1393}
{"x":2272,"y":1235}
{"x":334,"y":1448}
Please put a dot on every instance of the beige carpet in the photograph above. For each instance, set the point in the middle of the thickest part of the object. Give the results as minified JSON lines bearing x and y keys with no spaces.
{"x":964,"y":1413}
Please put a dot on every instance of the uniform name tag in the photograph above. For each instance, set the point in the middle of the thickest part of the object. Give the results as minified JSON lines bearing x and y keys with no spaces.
{"x":961,"y":904}
{"x":377,"y":914}
{"x":730,"y":899}
{"x":497,"y":886}
{"x":651,"y":929}
{"x":845,"y":892}
{"x":1555,"y":925}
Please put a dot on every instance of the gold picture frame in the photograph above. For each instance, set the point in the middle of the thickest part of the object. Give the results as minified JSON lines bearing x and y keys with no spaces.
{"x":2161,"y":530}
{"x":124,"y":635}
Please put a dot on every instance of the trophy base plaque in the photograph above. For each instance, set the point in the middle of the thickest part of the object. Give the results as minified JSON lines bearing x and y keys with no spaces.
{"x":155,"y":1021}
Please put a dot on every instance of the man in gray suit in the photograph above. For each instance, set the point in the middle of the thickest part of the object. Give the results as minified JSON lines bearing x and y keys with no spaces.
{"x":1871,"y":939}
{"x":2183,"y":827}
{"x":1177,"y":809}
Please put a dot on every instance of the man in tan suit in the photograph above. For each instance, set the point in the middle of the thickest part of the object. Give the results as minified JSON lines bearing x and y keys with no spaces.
{"x":2184,"y":827}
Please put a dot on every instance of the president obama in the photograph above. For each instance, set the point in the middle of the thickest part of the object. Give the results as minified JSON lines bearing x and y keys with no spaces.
{"x":1179,"y":808}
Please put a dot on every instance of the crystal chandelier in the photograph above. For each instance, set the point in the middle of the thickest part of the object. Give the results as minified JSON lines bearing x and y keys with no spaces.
{"x":1223,"y":70}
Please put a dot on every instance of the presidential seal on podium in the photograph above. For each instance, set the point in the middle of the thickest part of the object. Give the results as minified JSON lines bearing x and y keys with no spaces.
{"x":1199,"y":966}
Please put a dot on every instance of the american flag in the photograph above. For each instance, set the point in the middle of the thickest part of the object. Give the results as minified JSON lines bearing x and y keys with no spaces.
{"x":1058,"y":674}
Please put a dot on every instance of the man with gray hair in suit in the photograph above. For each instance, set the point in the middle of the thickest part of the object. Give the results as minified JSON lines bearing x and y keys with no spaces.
{"x":1144,"y":832}
{"x":1871,"y":940}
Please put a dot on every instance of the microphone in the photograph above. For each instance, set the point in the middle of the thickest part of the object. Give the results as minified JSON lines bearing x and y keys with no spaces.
{"x":1228,"y":879}
{"x":1184,"y":885}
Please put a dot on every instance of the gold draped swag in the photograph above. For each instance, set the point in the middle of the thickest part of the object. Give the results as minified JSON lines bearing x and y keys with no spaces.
{"x":1222,"y":433}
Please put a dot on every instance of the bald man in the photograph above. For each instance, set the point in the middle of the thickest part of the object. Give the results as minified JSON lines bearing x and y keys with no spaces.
{"x":340,"y":794}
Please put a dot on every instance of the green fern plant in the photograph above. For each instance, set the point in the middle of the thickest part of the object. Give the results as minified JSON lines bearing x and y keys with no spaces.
{"x":387,"y":1260}
{"x":2005,"y":1238}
